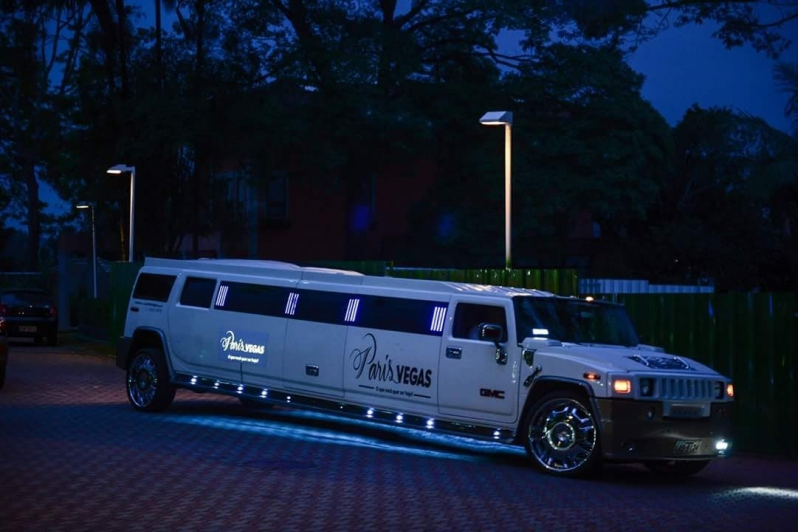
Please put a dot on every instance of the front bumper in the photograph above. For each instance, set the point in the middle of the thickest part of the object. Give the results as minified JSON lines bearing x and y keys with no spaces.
{"x":637,"y":430}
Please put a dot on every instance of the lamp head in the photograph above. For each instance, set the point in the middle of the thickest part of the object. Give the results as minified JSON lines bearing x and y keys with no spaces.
{"x":497,"y":118}
{"x":120,"y":168}
{"x":85,"y":205}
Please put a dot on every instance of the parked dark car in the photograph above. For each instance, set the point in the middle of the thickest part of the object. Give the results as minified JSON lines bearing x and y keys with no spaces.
{"x":29,"y":313}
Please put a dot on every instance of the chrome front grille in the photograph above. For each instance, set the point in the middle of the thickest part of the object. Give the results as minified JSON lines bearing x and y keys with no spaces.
{"x":681,"y":388}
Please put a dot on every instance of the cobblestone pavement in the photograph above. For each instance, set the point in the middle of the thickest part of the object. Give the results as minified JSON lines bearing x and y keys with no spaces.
{"x":75,"y":456}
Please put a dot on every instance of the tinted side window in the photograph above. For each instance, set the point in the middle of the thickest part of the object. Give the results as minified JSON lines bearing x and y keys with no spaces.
{"x":197,"y":292}
{"x":403,"y":315}
{"x":251,"y":298}
{"x":153,"y":286}
{"x":468,"y":316}
{"x":327,"y":307}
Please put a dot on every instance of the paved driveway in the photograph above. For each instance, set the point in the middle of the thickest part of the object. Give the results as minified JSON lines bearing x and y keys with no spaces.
{"x":75,"y":456}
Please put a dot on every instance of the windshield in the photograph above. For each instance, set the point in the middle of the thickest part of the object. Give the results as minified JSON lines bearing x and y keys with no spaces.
{"x":573,"y":320}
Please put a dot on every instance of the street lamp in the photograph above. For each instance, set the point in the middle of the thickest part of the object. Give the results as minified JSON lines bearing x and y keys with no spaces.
{"x":91,"y":205}
{"x":118,"y":169}
{"x":504,"y":118}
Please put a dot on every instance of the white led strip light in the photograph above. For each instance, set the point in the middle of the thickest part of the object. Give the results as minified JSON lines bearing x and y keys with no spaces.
{"x":351,"y":310}
{"x":290,"y":305}
{"x":437,"y":319}
{"x":222,"y":295}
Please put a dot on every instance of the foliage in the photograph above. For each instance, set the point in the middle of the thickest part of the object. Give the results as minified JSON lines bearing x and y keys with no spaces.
{"x":348,"y":92}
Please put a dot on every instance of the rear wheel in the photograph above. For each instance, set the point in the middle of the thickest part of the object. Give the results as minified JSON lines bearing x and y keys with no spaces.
{"x":560,"y":435}
{"x":677,"y":468}
{"x":148,"y":386}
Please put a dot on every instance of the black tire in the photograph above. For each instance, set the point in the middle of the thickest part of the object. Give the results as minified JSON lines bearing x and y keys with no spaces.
{"x":561,"y":436}
{"x":676,"y":468}
{"x":37,"y":339}
{"x":148,"y":386}
{"x":2,"y":378}
{"x":52,"y":339}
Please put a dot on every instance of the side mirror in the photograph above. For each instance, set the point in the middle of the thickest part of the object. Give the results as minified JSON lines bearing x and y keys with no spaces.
{"x":491,"y":332}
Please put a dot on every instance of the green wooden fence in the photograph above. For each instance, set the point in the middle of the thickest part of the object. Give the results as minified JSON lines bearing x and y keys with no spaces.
{"x":752,"y":338}
{"x":561,"y":282}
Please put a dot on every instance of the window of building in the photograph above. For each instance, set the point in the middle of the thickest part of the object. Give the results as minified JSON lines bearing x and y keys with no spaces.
{"x":197,"y":292}
{"x":468,"y":317}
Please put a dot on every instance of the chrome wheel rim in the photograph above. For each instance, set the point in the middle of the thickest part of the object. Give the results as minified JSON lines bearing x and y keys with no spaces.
{"x":142,"y":381}
{"x":562,"y":435}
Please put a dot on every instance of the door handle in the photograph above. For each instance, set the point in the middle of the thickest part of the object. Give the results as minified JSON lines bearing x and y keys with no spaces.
{"x":454,"y":352}
{"x":134,"y":309}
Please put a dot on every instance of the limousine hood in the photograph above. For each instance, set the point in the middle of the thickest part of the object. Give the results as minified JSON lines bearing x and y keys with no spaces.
{"x":634,"y":359}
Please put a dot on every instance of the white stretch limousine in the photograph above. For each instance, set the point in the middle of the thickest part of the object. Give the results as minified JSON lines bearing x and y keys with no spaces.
{"x":564,"y":377}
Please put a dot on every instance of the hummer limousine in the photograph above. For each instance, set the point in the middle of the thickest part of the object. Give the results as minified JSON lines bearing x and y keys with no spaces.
{"x":567,"y":378}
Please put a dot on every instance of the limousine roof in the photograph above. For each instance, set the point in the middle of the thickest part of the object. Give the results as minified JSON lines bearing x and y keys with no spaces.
{"x":286,"y":270}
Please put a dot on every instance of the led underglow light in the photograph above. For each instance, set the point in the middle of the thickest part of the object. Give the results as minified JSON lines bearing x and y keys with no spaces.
{"x":430,"y":423}
{"x":264,"y":393}
{"x":540,"y":332}
{"x":399,"y":418}
{"x":437,"y":319}
{"x":496,"y":434}
{"x":290,"y":305}
{"x":220,"y":298}
{"x":461,"y":449}
{"x":240,"y":388}
{"x":351,"y":310}
{"x":194,"y":380}
{"x":288,"y":399}
{"x":722,"y":445}
{"x":370,"y":412}
{"x":216,"y":384}
{"x":781,"y":493}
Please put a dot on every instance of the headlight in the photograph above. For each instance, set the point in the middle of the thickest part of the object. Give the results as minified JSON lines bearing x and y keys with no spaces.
{"x":622,"y":386}
{"x":730,"y":390}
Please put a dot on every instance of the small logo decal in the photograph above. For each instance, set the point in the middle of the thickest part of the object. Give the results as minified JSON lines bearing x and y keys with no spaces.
{"x":487,"y":392}
{"x":249,"y":346}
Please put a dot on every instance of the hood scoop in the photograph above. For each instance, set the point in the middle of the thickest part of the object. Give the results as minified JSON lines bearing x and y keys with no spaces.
{"x":661,"y":362}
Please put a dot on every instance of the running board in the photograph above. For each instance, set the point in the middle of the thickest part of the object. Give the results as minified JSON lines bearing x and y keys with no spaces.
{"x":277,"y":397}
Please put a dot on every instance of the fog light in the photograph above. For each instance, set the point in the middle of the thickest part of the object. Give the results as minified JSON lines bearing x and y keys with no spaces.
{"x":722,"y":445}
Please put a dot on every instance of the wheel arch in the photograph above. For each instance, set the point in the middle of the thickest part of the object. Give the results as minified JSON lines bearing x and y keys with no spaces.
{"x":147,"y":337}
{"x":545,"y":385}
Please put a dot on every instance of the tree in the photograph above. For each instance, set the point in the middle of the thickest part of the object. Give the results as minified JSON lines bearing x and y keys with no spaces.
{"x":36,"y":73}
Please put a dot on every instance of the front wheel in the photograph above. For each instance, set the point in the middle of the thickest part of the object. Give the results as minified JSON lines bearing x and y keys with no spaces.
{"x":148,"y":386}
{"x":677,"y":468}
{"x":561,"y":437}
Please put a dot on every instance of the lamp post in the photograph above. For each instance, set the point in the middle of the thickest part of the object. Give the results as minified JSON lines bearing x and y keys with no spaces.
{"x":118,"y":169}
{"x":504,"y":118}
{"x":91,"y":205}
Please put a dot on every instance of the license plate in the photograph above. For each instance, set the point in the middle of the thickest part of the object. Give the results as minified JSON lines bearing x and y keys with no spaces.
{"x":27,"y":328}
{"x":683,"y":447}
